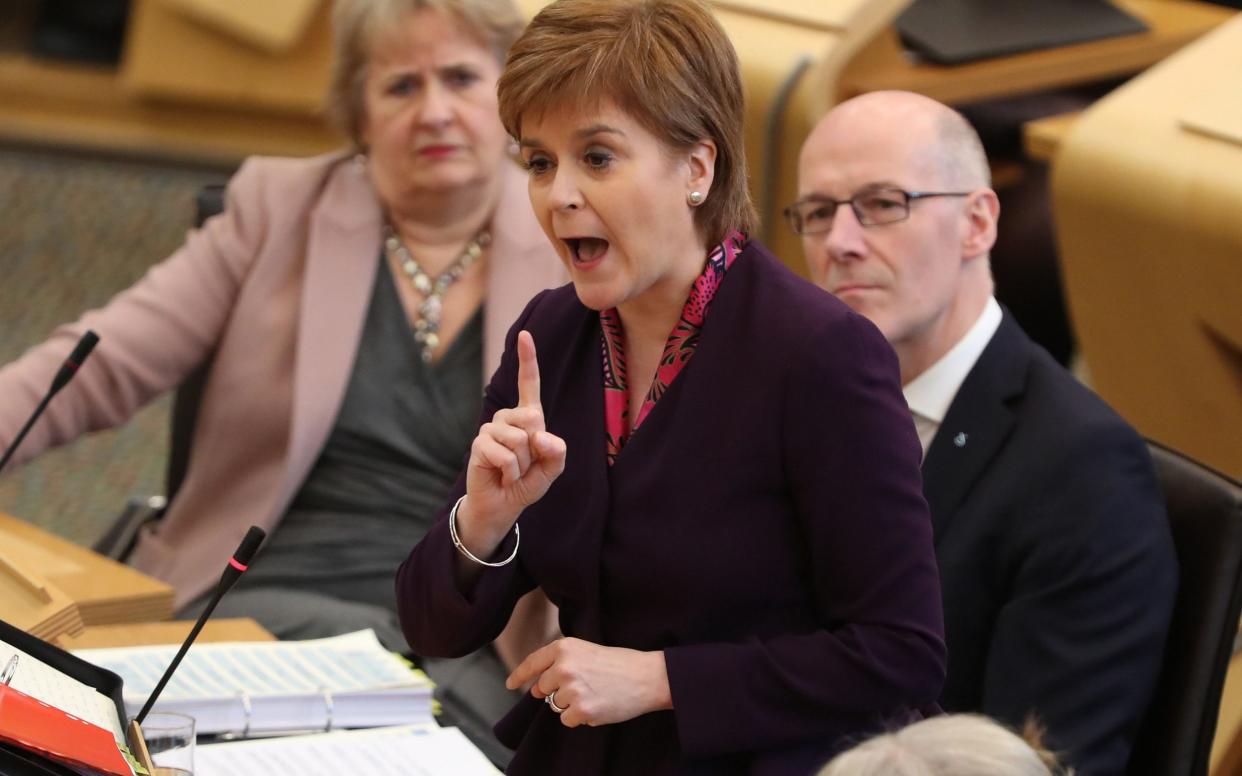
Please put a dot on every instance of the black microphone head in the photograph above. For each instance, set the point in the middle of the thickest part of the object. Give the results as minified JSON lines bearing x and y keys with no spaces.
{"x":240,"y":561}
{"x":84,"y":347}
{"x":249,"y":545}
{"x":74,"y":361}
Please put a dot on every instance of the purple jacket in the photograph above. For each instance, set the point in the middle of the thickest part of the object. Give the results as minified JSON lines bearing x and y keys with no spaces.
{"x":765,"y":527}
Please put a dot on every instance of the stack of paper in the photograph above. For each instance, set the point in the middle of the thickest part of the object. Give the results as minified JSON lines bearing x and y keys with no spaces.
{"x":345,"y":681}
{"x":413,"y":750}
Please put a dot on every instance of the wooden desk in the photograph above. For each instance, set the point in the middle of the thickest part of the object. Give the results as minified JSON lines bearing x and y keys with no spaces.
{"x":104,"y":591}
{"x":885,"y":65}
{"x":1146,"y":214}
{"x":79,"y":107}
{"x":1041,"y":138}
{"x":170,"y":632}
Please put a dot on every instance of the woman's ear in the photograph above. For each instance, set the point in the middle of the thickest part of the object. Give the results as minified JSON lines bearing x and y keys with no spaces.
{"x":701,"y":167}
{"x":982,"y":213}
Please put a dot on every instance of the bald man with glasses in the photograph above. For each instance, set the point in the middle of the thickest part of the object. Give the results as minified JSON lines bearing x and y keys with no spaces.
{"x":1056,"y":564}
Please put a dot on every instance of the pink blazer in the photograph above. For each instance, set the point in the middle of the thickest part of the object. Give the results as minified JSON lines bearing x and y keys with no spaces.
{"x":275,"y":290}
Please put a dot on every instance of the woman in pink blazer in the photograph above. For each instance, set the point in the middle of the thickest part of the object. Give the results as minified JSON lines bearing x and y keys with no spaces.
{"x":351,"y":307}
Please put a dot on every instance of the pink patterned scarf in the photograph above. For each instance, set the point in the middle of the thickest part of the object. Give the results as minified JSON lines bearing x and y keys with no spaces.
{"x":681,"y":345}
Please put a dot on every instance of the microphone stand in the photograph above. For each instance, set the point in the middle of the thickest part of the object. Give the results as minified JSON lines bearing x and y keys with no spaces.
{"x":67,"y":370}
{"x":232,"y":572}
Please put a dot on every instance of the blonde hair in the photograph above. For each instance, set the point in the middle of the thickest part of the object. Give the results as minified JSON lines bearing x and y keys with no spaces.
{"x":951,"y":745}
{"x":357,"y":24}
{"x":667,"y":63}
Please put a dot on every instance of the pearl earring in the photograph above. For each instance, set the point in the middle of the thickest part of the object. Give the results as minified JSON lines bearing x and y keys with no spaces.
{"x":695,"y":198}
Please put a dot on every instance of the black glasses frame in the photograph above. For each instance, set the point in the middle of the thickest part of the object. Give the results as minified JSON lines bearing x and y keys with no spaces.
{"x":796,"y":222}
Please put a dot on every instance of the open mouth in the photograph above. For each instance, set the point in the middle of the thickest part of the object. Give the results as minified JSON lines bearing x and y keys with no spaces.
{"x":586,"y":250}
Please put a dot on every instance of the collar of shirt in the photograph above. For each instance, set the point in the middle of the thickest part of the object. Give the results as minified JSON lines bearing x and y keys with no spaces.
{"x":930,"y":394}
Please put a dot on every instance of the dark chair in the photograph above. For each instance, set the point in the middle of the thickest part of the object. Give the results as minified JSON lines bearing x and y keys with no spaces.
{"x":208,"y":202}
{"x":119,"y":540}
{"x":1205,"y":514}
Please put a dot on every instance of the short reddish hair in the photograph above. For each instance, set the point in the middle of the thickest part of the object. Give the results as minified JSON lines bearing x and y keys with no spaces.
{"x":667,"y":63}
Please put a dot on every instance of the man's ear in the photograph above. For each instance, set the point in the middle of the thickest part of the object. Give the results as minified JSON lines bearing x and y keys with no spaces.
{"x":701,"y":167}
{"x":979,"y":233}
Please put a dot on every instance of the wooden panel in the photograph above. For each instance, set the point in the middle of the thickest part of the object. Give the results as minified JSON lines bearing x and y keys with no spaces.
{"x":273,"y":25}
{"x":30,"y":602}
{"x":172,"y":57}
{"x":1041,"y":138}
{"x":103,"y":590}
{"x":1218,"y":112}
{"x":884,"y":65}
{"x":828,"y":15}
{"x":1147,"y":220}
{"x":88,"y":108}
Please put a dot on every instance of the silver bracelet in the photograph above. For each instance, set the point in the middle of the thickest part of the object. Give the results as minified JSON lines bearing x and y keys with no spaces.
{"x":517,"y":540}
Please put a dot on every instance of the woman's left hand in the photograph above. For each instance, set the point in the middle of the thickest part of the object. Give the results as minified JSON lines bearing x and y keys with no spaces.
{"x":595,"y":685}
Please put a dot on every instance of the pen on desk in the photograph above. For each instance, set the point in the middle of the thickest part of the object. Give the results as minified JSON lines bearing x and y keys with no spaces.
{"x":10,"y":668}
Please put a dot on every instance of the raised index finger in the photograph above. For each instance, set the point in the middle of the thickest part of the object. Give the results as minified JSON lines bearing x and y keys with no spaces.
{"x":528,"y":372}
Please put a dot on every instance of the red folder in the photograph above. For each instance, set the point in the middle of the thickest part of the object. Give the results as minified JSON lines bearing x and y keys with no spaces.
{"x":37,"y":727}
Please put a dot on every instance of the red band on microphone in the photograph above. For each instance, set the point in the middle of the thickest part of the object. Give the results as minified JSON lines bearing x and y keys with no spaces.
{"x":233,"y":562}
{"x":71,"y":365}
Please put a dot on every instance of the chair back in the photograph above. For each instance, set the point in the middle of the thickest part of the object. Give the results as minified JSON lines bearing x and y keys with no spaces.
{"x":1205,"y":515}
{"x":208,"y":202}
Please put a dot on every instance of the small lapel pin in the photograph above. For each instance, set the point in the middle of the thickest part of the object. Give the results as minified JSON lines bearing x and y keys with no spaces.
{"x":960,"y":439}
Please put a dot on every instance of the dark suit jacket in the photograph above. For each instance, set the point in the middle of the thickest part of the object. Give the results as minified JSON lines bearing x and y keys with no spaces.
{"x":1055,"y":556}
{"x":765,"y":527}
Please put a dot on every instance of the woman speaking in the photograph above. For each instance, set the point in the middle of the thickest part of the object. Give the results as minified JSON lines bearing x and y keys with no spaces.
{"x":707,"y":464}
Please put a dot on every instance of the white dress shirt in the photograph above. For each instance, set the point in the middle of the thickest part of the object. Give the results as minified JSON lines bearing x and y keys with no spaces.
{"x":930,"y":394}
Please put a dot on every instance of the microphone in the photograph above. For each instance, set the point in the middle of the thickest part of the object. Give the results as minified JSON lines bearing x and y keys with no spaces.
{"x":67,"y":370}
{"x":74,"y":362}
{"x":232,"y":572}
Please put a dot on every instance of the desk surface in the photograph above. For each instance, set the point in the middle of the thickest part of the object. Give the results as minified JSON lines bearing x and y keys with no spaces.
{"x":170,"y":632}
{"x":884,"y":64}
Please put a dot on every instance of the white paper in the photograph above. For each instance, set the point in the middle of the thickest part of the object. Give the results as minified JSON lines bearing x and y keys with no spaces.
{"x":45,"y":683}
{"x":355,"y":661}
{"x":413,"y":750}
{"x":343,"y":681}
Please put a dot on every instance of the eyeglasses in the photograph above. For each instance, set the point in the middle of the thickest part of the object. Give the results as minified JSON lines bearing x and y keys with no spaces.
{"x":872,"y":207}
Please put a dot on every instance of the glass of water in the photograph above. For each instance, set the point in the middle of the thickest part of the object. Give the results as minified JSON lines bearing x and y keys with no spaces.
{"x":170,"y":740}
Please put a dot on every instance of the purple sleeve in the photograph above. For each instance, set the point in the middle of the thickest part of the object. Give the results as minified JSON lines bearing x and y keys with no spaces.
{"x":852,"y":462}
